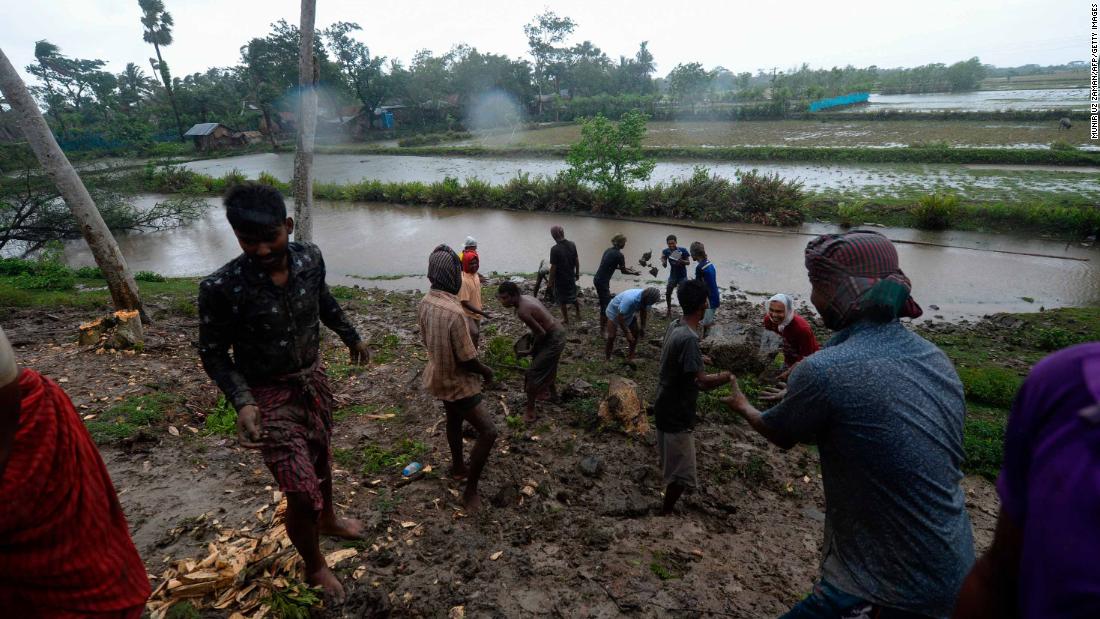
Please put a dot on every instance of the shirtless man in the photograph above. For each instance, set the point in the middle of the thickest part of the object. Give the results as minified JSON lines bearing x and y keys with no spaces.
{"x":549,"y":343}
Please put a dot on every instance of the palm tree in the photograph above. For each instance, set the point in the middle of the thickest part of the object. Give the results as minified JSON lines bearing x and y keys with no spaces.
{"x":158,"y":31}
{"x":120,"y":281}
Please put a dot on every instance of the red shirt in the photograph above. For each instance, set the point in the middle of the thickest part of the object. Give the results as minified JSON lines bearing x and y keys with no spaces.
{"x":798,"y":339}
{"x":65,"y":548}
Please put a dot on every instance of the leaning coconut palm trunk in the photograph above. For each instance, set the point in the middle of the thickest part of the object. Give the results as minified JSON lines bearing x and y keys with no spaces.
{"x":124,"y":290}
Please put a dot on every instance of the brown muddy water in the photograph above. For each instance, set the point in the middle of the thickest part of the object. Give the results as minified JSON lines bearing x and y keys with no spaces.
{"x":971,"y":277}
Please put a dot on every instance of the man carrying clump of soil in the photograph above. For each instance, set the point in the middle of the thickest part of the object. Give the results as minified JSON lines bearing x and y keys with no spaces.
{"x":266,"y":305}
{"x":454,"y":374}
{"x":682,"y":377}
{"x":547,"y":347}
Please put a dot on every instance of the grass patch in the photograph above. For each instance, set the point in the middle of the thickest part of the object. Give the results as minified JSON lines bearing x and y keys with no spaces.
{"x":990,"y":385}
{"x":222,"y":419}
{"x":500,"y":356}
{"x":983,"y":440}
{"x":358,"y":410}
{"x":667,"y":566}
{"x":384,"y":349}
{"x":126,"y":418}
{"x":373,"y":459}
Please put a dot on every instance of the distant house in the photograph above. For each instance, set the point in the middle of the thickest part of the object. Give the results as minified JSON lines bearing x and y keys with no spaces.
{"x":211,"y":136}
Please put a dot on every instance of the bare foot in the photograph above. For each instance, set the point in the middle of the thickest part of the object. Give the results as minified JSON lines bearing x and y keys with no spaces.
{"x":459,"y":474}
{"x":328,"y":581}
{"x":345,"y":528}
{"x":471,"y":501}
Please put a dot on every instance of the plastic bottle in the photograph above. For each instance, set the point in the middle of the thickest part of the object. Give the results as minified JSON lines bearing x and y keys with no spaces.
{"x":411,"y":469}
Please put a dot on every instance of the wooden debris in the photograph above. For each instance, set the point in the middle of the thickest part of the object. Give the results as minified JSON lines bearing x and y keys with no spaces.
{"x":236,"y":572}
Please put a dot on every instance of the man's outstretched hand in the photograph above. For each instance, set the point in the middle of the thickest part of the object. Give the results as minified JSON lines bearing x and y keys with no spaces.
{"x":248,"y":427}
{"x":736,"y":400}
{"x":774,"y":394}
{"x":360,"y":353}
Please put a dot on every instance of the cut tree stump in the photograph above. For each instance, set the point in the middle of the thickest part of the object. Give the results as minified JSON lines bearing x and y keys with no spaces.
{"x":623,"y":407}
{"x":121,"y":330}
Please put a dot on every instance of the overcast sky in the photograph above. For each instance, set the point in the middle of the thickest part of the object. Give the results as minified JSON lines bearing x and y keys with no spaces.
{"x":739,"y":35}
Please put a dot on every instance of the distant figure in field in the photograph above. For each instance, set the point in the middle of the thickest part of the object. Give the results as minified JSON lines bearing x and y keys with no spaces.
{"x":1047,"y":543}
{"x":65,"y":549}
{"x":612,"y":260}
{"x":798,"y":338}
{"x":546,"y":350}
{"x":1065,"y":123}
{"x":677,"y":259}
{"x":885,"y":408}
{"x":565,"y":270}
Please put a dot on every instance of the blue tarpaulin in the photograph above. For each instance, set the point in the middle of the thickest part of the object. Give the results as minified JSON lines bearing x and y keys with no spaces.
{"x":848,"y":99}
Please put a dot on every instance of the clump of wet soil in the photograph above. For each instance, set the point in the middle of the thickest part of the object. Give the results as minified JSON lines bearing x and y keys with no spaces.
{"x":570,"y":524}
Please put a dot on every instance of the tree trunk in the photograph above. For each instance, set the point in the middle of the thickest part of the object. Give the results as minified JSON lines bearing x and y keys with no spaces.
{"x":168,"y":88}
{"x":307,"y":126}
{"x":124,"y":290}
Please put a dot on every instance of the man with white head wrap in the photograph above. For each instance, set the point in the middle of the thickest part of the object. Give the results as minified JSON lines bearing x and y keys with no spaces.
{"x":799,"y":341}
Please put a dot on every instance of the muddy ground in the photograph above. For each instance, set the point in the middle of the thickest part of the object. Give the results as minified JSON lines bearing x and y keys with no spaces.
{"x":551,"y":540}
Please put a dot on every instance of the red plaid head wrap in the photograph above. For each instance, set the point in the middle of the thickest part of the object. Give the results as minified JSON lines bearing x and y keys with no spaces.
{"x":858,"y":275}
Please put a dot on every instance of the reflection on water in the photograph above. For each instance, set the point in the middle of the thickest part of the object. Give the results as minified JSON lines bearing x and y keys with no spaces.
{"x":982,"y":101}
{"x":364,"y":240}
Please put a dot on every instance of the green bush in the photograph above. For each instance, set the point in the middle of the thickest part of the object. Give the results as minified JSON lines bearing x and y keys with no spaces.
{"x":983,"y":444}
{"x":990,"y":385}
{"x":1062,"y":146}
{"x":222,"y":419}
{"x":149,"y":276}
{"x":935,"y":212}
{"x":852,"y":213}
{"x":1055,"y":338}
{"x":88,"y":273}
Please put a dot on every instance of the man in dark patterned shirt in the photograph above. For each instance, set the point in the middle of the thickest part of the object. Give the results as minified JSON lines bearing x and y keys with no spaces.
{"x":267,"y":305}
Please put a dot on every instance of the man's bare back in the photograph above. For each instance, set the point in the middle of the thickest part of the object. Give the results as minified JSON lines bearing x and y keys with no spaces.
{"x":535,"y":315}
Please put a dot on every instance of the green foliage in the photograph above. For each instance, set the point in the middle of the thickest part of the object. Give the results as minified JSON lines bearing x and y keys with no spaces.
{"x":611,"y":156}
{"x":983,"y":442}
{"x":149,"y":276}
{"x":124,"y":419}
{"x":935,"y":212}
{"x":990,"y":385}
{"x":667,"y":566}
{"x":222,"y":419}
{"x":183,"y":610}
{"x":47,"y":273}
{"x":426,"y":139}
{"x":384,"y":349}
{"x":500,"y":356}
{"x":851,"y":213}
{"x":374,"y":459}
{"x":294,"y":601}
{"x":1062,"y":146}
{"x":1056,"y":338}
{"x":88,"y":273}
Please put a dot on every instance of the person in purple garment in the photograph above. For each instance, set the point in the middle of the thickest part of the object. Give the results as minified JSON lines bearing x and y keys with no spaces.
{"x":1045,"y":557}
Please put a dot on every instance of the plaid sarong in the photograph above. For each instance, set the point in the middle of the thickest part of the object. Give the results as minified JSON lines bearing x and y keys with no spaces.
{"x":296,"y":423}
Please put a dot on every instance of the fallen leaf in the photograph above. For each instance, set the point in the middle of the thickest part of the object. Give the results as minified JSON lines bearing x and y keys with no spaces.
{"x":496,"y":555}
{"x":457,"y":612}
{"x":340,"y":555}
{"x":528,"y":490}
{"x":173,"y":431}
{"x":408,"y":524}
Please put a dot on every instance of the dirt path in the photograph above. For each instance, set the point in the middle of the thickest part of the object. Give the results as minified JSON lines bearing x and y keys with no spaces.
{"x":552,"y":540}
